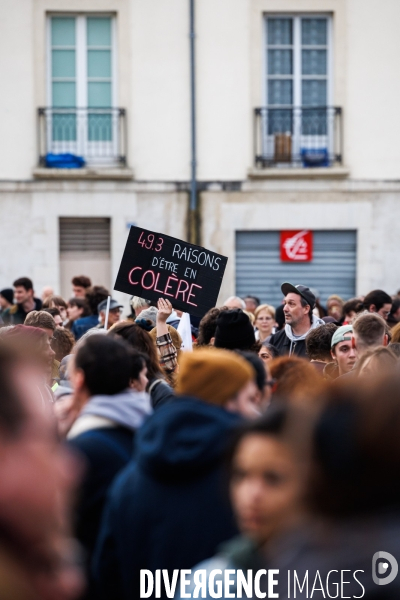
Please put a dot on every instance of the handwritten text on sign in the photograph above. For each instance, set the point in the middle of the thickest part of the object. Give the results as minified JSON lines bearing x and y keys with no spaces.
{"x":156,"y":265}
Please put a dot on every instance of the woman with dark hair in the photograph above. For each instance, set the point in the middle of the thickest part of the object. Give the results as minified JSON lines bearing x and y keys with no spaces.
{"x":267,"y":352}
{"x":268,"y":465}
{"x":76,"y":309}
{"x":159,"y":390}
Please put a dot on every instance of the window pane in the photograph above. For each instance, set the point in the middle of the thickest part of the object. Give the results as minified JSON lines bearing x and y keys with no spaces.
{"x":63,"y":63}
{"x":314,"y":122}
{"x":64,"y":127}
{"x":99,"y":94}
{"x":280,"y":62}
{"x":63,"y":93}
{"x":99,"y":63}
{"x":99,"y":128}
{"x":314,"y":32}
{"x":280,"y":32}
{"x":63,"y":31}
{"x":313,"y":62}
{"x":280,"y":121}
{"x":98,"y":31}
{"x":314,"y":92}
{"x":280,"y":91}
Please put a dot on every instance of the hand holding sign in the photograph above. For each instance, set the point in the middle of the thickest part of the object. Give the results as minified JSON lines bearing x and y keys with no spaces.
{"x":156,"y":265}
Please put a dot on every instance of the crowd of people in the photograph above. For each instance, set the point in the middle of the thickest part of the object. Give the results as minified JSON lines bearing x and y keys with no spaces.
{"x":273,"y":444}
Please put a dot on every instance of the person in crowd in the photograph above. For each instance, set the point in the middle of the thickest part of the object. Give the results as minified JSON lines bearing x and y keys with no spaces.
{"x":139,"y":304}
{"x":296,"y":381}
{"x":318,"y":345}
{"x":395,"y":332}
{"x":299,"y":319}
{"x":334,"y":307}
{"x":379,"y":362}
{"x":235,"y":302}
{"x":252,"y":303}
{"x":167,"y":340}
{"x":208,"y":326}
{"x":319,"y":310}
{"x":268,"y":469}
{"x":44,"y":321}
{"x":38,"y":477}
{"x":57,"y":302}
{"x":80,"y":286}
{"x":234,"y":331}
{"x":147,"y":318}
{"x":114,"y":314}
{"x":267,"y":353}
{"x":394,"y":315}
{"x":77,"y":308}
{"x":160,"y":391}
{"x":351,"y":309}
{"x":6,"y":300}
{"x":25,"y":302}
{"x":47,"y":292}
{"x":369,"y":332}
{"x":35,"y":345}
{"x":262,"y":384}
{"x":343,"y":353}
{"x":378,"y":302}
{"x":109,"y":411}
{"x":55,"y":313}
{"x":63,"y":343}
{"x":352,"y":492}
{"x":280,"y":317}
{"x":167,"y":509}
{"x":264,"y":321}
{"x":94,"y":297}
{"x":251,"y":317}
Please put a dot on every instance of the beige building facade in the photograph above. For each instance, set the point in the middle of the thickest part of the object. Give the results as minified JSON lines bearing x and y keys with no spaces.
{"x":297,"y":129}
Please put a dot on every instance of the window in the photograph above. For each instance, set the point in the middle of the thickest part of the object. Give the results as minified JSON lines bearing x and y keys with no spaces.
{"x":81,"y":90}
{"x":298,"y":89}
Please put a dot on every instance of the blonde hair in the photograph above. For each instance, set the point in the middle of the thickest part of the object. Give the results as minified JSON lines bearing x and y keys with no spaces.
{"x":250,"y":315}
{"x":270,"y":310}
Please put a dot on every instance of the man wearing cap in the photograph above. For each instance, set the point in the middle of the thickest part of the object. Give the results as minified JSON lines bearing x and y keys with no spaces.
{"x":299,"y":320}
{"x":343,"y":351}
{"x":114,"y":314}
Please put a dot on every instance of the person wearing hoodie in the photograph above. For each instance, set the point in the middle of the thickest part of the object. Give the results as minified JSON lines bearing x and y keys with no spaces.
{"x":110,"y":412}
{"x":299,"y":320}
{"x":167,"y":509}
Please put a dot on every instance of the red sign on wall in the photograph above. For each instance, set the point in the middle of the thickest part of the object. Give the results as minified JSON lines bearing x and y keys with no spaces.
{"x":296,"y":246}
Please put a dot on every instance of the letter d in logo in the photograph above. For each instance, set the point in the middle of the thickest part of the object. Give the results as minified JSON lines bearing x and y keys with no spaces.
{"x":383,"y":568}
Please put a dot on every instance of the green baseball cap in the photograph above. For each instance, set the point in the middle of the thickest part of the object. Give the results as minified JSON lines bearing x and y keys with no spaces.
{"x":342,"y":335}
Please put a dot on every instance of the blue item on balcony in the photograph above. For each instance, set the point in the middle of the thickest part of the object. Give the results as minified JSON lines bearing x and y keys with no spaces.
{"x":64,"y":161}
{"x":315,"y":157}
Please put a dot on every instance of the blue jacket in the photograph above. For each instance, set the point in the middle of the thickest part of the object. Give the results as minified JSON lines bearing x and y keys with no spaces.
{"x":81,"y":326}
{"x":168,"y":509}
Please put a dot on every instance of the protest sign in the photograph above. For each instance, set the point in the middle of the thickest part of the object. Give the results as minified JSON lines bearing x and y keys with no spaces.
{"x":156,"y":266}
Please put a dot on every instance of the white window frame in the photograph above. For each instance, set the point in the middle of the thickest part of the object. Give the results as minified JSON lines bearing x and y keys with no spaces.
{"x":82,"y":146}
{"x":298,"y":139}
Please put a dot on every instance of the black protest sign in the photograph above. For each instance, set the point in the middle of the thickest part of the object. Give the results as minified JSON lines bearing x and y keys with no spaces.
{"x":156,"y":266}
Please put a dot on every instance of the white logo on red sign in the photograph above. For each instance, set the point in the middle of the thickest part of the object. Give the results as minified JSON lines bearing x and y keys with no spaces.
{"x":296,"y":246}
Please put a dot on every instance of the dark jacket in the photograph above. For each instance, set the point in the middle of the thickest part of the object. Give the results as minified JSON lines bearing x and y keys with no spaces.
{"x":286,"y":343}
{"x":281,"y":342}
{"x":168,"y":509}
{"x":103,"y":434}
{"x":81,"y":326}
{"x":16,"y":315}
{"x":160,"y":393}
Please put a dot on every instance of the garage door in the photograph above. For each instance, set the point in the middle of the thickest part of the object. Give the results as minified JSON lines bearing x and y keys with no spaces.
{"x":260,"y":272}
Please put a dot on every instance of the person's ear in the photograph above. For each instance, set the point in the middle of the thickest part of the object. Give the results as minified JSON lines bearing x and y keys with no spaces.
{"x":333,"y":355}
{"x":386,"y":340}
{"x":77,"y":377}
{"x":372,"y":308}
{"x":212,"y":341}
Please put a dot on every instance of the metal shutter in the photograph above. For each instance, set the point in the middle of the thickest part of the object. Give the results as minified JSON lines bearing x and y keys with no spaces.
{"x":84,"y":235}
{"x":259,"y":270}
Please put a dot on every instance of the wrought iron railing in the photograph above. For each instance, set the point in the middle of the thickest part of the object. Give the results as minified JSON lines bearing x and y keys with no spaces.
{"x":98,"y":135}
{"x":308,"y":137}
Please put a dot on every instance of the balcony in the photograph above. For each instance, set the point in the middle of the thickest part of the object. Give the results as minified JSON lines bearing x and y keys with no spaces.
{"x":94,"y":138}
{"x":298,"y":138}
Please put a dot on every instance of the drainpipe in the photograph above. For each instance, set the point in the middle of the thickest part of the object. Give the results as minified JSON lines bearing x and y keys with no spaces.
{"x":194,"y":220}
